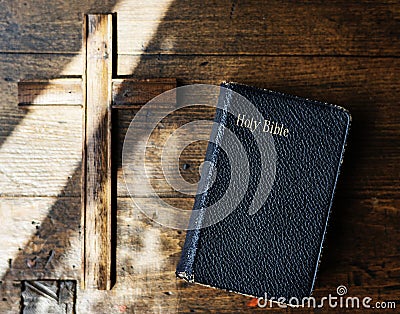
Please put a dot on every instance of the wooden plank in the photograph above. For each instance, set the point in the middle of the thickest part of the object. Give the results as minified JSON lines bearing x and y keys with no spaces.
{"x":40,"y":151}
{"x":17,"y":67}
{"x":146,"y":260}
{"x":127,"y":92}
{"x":68,"y":91}
{"x":50,"y":92}
{"x":25,"y":37}
{"x":41,"y":238}
{"x":276,"y":28}
{"x":40,"y":27}
{"x":186,"y":27}
{"x":335,"y":79}
{"x":98,"y":152}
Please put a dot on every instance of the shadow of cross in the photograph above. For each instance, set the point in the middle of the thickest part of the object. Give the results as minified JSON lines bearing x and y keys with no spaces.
{"x":99,"y":92}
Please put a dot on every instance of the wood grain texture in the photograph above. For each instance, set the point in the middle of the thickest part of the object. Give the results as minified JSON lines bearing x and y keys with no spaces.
{"x":16,"y":67}
{"x":41,"y":149}
{"x":50,"y":92}
{"x":340,"y":52}
{"x":68,"y":92}
{"x":98,"y":209}
{"x":41,"y":238}
{"x":335,"y":79}
{"x":130,"y":92}
{"x":277,"y":27}
{"x":38,"y":27}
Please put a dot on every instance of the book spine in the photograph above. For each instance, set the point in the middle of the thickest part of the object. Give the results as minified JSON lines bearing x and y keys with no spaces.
{"x":339,"y":166}
{"x":185,"y":267}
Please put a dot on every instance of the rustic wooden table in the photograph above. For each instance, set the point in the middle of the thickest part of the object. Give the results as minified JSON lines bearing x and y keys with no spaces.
{"x":341,"y":52}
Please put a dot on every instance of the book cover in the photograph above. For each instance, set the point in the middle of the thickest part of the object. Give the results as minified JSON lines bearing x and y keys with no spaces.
{"x":265,"y":193}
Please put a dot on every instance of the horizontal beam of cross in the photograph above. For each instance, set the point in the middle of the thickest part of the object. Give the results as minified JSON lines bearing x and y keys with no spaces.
{"x":68,"y":92}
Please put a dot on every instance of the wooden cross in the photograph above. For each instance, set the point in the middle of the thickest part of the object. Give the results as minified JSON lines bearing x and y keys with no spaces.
{"x":99,"y":92}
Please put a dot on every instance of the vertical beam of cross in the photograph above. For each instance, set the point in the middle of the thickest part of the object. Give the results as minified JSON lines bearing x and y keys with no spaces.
{"x":97,"y":152}
{"x":99,"y":93}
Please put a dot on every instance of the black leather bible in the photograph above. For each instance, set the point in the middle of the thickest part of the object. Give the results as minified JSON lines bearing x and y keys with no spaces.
{"x":267,"y":242}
